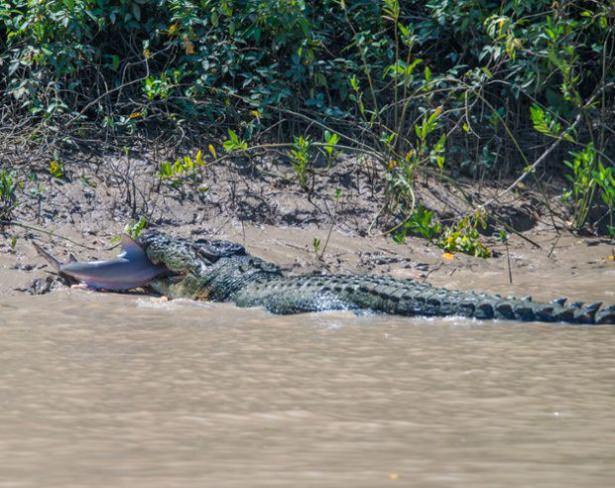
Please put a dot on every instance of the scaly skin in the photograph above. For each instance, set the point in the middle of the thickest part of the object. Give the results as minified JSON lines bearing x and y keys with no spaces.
{"x":223,"y":271}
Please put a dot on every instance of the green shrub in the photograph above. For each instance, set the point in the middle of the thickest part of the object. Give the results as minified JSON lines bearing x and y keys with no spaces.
{"x":422,"y":85}
{"x":8,"y":194}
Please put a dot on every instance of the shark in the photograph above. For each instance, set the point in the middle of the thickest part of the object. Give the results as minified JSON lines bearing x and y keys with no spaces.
{"x":130,"y":269}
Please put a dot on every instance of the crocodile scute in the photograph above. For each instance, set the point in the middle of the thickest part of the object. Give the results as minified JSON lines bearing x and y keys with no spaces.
{"x":223,"y":271}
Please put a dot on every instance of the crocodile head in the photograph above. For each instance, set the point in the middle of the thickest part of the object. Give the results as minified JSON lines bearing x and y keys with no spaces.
{"x":187,"y":262}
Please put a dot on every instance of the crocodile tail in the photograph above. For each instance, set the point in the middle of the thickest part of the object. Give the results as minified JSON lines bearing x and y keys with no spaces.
{"x":428,"y":300}
{"x":408,"y":297}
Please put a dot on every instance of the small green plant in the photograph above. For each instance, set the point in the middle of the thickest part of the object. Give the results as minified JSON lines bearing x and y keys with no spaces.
{"x":503,"y":237}
{"x":56,"y":169}
{"x":87,"y":181}
{"x":422,"y":223}
{"x":331,"y":141}
{"x":36,"y":189}
{"x":300,"y":159}
{"x":8,"y":194}
{"x":234,"y":143}
{"x":156,"y":88}
{"x":583,"y":184}
{"x":464,"y":237}
{"x":316,"y":245}
{"x":181,"y":168}
{"x":605,"y":180}
{"x":134,"y":228}
{"x":13,"y":242}
{"x":546,"y":123}
{"x":401,"y":171}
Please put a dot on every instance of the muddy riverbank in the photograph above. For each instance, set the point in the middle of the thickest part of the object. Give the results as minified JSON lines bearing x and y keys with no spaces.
{"x":337,"y":227}
{"x":565,"y":265}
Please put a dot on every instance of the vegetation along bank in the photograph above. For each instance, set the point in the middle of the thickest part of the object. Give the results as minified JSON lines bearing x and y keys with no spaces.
{"x":461,"y":122}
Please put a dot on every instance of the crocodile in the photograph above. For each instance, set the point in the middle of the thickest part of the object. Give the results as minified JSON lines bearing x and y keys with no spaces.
{"x":223,"y":271}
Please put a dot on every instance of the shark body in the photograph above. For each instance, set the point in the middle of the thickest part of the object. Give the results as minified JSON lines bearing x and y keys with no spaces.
{"x":130,"y":269}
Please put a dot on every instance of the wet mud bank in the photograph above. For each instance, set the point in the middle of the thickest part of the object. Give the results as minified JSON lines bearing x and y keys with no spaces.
{"x":338,"y":227}
{"x":565,"y":265}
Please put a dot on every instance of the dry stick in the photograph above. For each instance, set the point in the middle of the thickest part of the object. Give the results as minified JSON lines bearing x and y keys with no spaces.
{"x":324,"y":248}
{"x":430,"y":272}
{"x":510,"y":280}
{"x":44,"y":231}
{"x":516,"y":232}
{"x":553,"y":246}
{"x":576,"y":143}
{"x":531,"y":168}
{"x":96,"y":100}
{"x":366,"y":69}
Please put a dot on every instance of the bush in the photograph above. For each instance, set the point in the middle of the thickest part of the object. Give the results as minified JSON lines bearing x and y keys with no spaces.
{"x":480,"y":86}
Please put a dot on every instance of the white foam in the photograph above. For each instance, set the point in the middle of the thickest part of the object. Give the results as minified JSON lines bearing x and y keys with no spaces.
{"x":178,"y":303}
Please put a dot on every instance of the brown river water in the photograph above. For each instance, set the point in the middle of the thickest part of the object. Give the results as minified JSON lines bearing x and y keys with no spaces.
{"x":104,"y":390}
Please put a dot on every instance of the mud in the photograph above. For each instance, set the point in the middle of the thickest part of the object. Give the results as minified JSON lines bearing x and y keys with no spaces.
{"x":565,"y":265}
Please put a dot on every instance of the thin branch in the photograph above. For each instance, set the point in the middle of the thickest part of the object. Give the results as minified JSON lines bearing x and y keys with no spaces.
{"x":44,"y":231}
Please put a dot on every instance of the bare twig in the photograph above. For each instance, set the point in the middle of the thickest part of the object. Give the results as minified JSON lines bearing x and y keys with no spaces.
{"x":44,"y":231}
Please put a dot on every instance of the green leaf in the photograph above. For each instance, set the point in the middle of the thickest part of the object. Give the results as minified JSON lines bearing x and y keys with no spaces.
{"x":427,"y":74}
{"x":56,"y":169}
{"x":134,"y":229}
{"x":234,"y":143}
{"x":545,"y":123}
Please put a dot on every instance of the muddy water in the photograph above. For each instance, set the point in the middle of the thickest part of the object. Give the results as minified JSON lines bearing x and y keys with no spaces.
{"x":124,"y":391}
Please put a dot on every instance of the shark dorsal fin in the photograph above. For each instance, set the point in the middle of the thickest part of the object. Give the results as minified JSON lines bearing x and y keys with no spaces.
{"x":131,"y":249}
